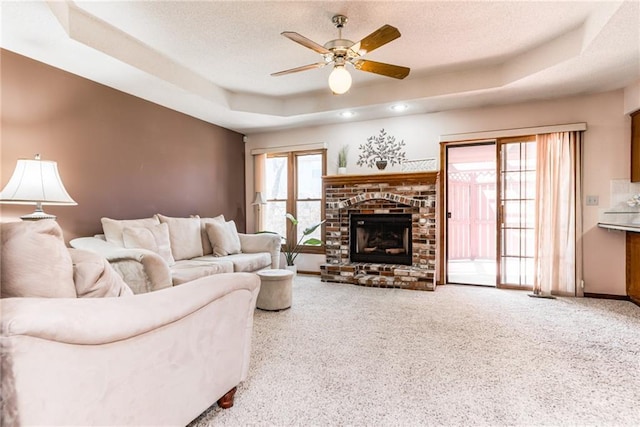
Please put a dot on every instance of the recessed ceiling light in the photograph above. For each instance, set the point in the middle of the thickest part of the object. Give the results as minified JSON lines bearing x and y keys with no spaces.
{"x":347,"y":114}
{"x":399,"y":107}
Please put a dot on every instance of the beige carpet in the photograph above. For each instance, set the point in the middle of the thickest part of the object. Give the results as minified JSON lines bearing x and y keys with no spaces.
{"x":463,"y":355}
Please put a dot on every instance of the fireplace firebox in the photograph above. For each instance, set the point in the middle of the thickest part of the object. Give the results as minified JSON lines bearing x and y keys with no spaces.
{"x":380,"y":238}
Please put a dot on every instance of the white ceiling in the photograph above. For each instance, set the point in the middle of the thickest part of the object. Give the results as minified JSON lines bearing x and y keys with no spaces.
{"x":213,"y":59}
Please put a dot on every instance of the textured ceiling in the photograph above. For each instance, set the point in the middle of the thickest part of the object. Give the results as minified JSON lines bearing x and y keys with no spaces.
{"x":213,"y":59}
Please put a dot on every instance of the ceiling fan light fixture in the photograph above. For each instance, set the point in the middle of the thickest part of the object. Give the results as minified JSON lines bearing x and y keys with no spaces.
{"x":339,"y":80}
{"x":341,"y":51}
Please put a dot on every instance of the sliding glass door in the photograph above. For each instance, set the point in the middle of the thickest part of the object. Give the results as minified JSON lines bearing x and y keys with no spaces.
{"x":490,"y":197}
{"x":517,"y":197}
{"x":471,"y":214}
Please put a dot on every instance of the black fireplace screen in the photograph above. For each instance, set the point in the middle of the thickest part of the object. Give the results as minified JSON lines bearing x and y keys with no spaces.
{"x":380,"y":238}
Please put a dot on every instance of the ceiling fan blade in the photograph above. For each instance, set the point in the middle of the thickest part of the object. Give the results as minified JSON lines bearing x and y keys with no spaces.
{"x":297,"y":69}
{"x":389,"y":70}
{"x":306,"y":42}
{"x":379,"y":37}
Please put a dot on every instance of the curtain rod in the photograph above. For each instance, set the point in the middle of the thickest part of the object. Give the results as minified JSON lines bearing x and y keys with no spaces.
{"x":505,"y":133}
{"x":287,"y":148}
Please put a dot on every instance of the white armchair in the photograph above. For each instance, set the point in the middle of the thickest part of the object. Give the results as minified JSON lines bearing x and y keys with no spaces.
{"x":160,"y":358}
{"x":77,"y":347}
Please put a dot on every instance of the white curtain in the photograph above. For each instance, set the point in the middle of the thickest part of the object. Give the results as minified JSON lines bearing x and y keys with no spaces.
{"x":558,"y":255}
{"x":259,"y":181}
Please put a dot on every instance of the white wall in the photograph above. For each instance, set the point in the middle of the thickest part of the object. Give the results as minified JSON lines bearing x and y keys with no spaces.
{"x":632,"y":98}
{"x":606,"y":157}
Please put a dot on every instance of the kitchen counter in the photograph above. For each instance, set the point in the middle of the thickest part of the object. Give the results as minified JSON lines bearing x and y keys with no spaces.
{"x":627,"y":219}
{"x":634,"y":228}
{"x":624,"y":219}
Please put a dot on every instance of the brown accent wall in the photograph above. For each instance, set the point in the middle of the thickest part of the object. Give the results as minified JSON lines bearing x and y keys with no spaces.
{"x":119,"y":156}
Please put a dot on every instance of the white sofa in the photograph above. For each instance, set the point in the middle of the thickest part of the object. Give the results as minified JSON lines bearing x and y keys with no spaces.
{"x":160,"y":358}
{"x":192,"y":252}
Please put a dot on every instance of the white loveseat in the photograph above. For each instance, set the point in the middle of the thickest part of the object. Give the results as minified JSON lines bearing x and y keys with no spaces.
{"x":159,"y":252}
{"x":79,"y":348}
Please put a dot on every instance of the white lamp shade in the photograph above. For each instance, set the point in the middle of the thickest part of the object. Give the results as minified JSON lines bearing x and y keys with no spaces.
{"x":339,"y":80}
{"x":259,"y":199}
{"x":36,"y":181}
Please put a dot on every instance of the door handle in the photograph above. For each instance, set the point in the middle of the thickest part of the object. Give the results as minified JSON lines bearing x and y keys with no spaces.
{"x":448,"y":215}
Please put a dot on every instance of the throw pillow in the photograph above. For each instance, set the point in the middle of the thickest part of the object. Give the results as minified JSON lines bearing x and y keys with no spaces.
{"x":184,"y":234}
{"x":206,"y":244}
{"x":35,"y":261}
{"x":235,"y":239}
{"x":94,"y":277}
{"x":154,"y":238}
{"x":113,"y":227}
{"x":222,"y":238}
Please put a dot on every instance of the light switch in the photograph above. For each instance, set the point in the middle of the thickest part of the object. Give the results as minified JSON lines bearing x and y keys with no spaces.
{"x":593,"y":200}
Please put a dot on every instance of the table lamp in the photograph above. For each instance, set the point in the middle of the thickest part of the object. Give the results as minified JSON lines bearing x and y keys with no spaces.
{"x":36,"y":182}
{"x":258,"y":202}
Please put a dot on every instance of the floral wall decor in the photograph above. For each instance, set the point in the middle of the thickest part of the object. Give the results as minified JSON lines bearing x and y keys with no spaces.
{"x":380,"y":150}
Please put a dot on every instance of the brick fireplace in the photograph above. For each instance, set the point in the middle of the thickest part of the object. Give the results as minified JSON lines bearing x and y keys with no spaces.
{"x":376,"y":198}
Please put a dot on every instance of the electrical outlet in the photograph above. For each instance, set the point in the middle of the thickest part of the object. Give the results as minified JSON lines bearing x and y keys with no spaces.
{"x":593,"y":200}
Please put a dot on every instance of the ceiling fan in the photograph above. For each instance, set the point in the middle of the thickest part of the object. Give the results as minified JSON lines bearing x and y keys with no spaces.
{"x":341,"y":51}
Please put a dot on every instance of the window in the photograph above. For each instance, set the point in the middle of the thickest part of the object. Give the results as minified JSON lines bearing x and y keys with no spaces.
{"x":294,"y":185}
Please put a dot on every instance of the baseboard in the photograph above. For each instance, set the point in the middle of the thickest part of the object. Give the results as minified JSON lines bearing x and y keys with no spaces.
{"x":586,"y":294}
{"x":315,"y":273}
{"x":607,"y":296}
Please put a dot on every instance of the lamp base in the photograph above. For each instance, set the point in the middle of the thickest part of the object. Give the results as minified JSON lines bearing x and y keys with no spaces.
{"x":547,"y":296}
{"x":37,"y":215}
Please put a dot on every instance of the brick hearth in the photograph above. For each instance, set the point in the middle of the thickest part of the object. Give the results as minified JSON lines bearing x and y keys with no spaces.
{"x":408,"y":193}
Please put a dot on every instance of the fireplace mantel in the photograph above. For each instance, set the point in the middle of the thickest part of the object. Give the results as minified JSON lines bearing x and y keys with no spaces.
{"x":382,"y":178}
{"x":411,"y":193}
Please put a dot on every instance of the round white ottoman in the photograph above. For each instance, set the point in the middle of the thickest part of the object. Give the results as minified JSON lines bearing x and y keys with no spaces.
{"x":275,"y":289}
